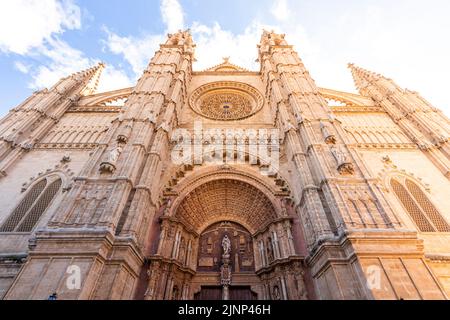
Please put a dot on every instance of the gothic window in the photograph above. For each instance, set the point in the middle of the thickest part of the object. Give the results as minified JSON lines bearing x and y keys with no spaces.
{"x":31,"y":208}
{"x":430,"y":210}
{"x":422,"y":211}
{"x":226,"y":101}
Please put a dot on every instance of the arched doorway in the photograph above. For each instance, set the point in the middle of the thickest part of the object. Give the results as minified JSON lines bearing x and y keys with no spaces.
{"x":211,"y":261}
{"x":263,"y":259}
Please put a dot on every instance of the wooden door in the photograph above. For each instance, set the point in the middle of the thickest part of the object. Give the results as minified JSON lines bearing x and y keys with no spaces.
{"x":243,"y":293}
{"x":209,"y":293}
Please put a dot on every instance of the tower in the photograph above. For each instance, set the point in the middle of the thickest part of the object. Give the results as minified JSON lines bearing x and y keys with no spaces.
{"x":422,"y":122}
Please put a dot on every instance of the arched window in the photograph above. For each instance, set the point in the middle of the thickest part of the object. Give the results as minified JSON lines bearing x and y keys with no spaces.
{"x":27,"y":214}
{"x":425,"y":215}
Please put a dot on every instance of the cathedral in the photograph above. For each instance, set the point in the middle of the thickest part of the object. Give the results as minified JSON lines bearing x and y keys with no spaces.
{"x":225,"y":184}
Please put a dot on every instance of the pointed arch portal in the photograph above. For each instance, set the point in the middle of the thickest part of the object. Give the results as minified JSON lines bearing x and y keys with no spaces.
{"x":262,"y":262}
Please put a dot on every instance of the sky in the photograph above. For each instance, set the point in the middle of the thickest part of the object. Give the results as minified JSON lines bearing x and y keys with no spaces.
{"x":44,"y":40}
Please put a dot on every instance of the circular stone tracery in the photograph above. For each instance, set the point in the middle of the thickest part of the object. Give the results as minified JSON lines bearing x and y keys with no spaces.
{"x":226,"y":101}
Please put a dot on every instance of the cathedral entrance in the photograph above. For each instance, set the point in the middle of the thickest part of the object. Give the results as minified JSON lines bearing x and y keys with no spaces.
{"x":228,"y":238}
{"x":226,"y":251}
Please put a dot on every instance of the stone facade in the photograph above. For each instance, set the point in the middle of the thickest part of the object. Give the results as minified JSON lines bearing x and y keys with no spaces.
{"x":93,"y":207}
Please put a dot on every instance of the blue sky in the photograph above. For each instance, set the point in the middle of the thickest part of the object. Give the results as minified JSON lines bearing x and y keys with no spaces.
{"x":43,"y":40}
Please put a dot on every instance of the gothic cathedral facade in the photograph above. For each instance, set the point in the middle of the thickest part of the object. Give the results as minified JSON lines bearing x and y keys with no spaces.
{"x":92,"y":205}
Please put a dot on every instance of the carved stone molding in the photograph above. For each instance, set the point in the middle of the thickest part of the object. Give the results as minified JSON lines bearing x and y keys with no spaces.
{"x":226,"y":199}
{"x":226,"y":101}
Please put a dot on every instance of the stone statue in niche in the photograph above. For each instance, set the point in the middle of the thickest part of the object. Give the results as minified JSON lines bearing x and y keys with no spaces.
{"x":120,"y":117}
{"x":345,"y":166}
{"x":326,"y":132}
{"x":109,"y":165}
{"x":175,"y":293}
{"x":300,"y":278}
{"x":284,"y":211}
{"x":276,"y":293}
{"x":225,"y":269}
{"x":114,"y":154}
{"x":66,"y":158}
{"x":124,"y":134}
{"x":226,"y":245}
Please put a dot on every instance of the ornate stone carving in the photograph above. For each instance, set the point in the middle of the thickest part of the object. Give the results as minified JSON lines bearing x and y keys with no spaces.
{"x":66,"y":159}
{"x":226,"y":245}
{"x":124,"y":135}
{"x":226,"y":101}
{"x":386,"y":159}
{"x":344,"y":164}
{"x":276,"y":295}
{"x":326,"y":132}
{"x":226,"y":106}
{"x":226,"y":198}
{"x":225,"y":270}
{"x":109,"y":165}
{"x":301,"y":287}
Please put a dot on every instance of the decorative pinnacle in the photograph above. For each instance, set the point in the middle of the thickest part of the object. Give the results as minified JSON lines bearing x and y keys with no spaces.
{"x":361,"y":76}
{"x":94,"y":78}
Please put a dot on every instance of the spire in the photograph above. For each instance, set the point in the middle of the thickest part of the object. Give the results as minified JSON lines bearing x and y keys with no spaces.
{"x":181,"y":39}
{"x":94,"y":81}
{"x":273,"y":38}
{"x":86,"y":80}
{"x":362,"y":76}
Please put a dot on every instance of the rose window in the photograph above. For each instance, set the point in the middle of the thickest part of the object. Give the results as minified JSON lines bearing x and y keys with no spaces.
{"x":226,"y":101}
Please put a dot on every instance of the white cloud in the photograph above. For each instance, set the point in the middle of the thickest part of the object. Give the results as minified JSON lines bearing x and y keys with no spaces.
{"x":32,"y":28}
{"x":213,"y":43}
{"x":22,"y":67}
{"x":113,"y":79}
{"x":280,"y":10}
{"x":26,"y":24}
{"x":400,"y":41}
{"x":136,"y":51}
{"x":172,"y":15}
{"x":65,"y":60}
